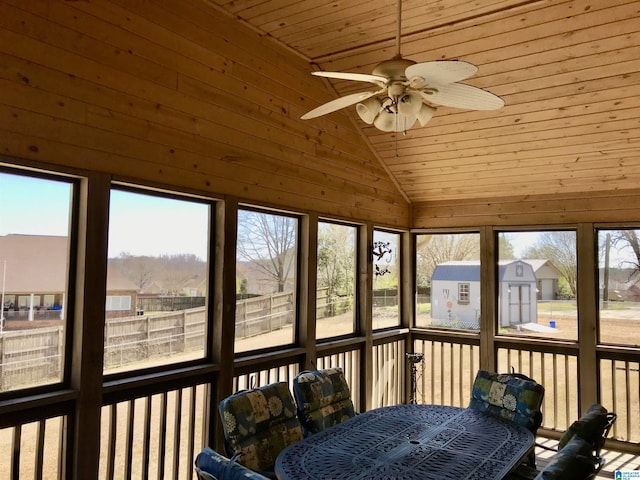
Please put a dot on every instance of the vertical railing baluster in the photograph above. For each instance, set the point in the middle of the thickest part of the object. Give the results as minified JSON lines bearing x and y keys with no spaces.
{"x":433,"y":372}
{"x":614,"y":389}
{"x":627,"y":379}
{"x":192,"y":427}
{"x":460,"y":373}
{"x":567,"y":386}
{"x":451,"y":374}
{"x":543,"y":381}
{"x":555,"y":390}
{"x":129,"y":444}
{"x":113,"y":433}
{"x":441,"y":373}
{"x":177,"y":418}
{"x":39,"y":457}
{"x":147,"y":437}
{"x":15,"y":452}
{"x":162,"y":442}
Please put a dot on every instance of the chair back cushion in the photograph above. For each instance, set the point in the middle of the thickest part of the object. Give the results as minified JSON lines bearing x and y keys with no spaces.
{"x":590,"y":427}
{"x":212,"y":465}
{"x":323,"y":399}
{"x":573,"y":462}
{"x":259,"y":423}
{"x":514,"y":397}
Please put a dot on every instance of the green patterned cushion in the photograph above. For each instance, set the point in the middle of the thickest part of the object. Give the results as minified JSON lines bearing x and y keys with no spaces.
{"x":323,"y":398}
{"x":258,"y":424}
{"x":589,"y":427}
{"x":573,"y":462}
{"x":514,"y":397}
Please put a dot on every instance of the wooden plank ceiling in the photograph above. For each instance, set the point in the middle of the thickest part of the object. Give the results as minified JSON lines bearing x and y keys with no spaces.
{"x":567,"y":70}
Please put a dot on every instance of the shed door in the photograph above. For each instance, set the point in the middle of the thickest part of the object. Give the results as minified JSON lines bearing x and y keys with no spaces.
{"x":519,"y":304}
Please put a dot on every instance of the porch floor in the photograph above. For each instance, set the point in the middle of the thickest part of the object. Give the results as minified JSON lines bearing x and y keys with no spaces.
{"x":613,"y":460}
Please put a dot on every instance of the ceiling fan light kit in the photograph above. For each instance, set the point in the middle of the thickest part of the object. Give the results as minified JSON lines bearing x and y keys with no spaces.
{"x":409,"y":91}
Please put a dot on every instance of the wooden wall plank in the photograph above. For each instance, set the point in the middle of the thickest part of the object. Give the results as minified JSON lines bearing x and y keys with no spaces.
{"x":148,"y":105}
{"x":597,"y":207}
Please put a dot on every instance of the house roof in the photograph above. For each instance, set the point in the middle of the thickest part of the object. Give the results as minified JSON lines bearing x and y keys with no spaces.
{"x":469,"y":270}
{"x":38,"y":264}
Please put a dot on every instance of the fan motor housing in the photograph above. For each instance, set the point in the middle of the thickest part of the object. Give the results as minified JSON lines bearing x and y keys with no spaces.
{"x":393,"y":69}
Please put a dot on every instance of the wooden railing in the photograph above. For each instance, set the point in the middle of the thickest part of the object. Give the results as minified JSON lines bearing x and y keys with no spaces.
{"x":448,"y":370}
{"x":554,"y":368}
{"x":619,"y":391}
{"x":157,"y":435}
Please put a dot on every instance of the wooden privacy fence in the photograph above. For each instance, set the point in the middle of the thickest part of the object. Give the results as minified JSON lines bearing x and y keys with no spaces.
{"x":258,"y":315}
{"x":29,"y":356}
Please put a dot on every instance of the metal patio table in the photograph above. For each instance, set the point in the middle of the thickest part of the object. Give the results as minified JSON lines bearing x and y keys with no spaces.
{"x":409,"y":442}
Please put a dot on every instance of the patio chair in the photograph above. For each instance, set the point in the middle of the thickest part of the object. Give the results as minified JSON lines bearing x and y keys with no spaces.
{"x":573,"y":462}
{"x":210,"y":465}
{"x":258,"y":424}
{"x":593,"y":427}
{"x":512,"y":396}
{"x":323,"y":399}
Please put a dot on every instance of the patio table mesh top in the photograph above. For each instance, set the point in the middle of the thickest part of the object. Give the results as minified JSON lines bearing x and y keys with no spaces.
{"x":409,"y":442}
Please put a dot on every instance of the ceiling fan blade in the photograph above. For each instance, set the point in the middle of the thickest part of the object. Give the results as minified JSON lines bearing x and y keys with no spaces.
{"x":439,"y":72}
{"x":338,"y":103}
{"x":359,"y":77}
{"x":460,"y":95}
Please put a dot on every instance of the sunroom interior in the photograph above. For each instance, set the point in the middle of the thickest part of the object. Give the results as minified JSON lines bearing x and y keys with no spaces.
{"x":242,"y":244}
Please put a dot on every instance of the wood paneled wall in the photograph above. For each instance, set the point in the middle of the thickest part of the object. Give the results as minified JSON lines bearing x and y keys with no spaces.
{"x":173,"y":93}
{"x":599,"y":207}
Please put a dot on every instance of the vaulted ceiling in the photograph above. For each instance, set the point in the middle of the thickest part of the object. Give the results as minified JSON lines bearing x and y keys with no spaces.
{"x":568,"y":71}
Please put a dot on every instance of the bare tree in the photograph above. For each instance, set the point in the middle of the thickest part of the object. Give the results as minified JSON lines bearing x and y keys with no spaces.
{"x":269,"y":243}
{"x":432,"y":250}
{"x":627,"y":244}
{"x":138,"y":269}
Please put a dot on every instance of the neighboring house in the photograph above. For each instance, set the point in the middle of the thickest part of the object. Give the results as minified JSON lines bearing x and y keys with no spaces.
{"x":34,"y":268}
{"x":455,"y":294}
{"x":547,"y":276}
{"x":36,"y":274}
{"x":195,"y":286}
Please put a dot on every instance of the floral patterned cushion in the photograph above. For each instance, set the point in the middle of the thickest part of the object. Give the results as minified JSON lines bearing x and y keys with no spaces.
{"x":258,"y":424}
{"x":511,"y":396}
{"x":219,"y":467}
{"x":589,"y":427}
{"x":323,"y":398}
{"x":573,"y":462}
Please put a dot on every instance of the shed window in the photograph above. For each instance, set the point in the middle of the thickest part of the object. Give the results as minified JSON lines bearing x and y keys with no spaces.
{"x":463,"y":293}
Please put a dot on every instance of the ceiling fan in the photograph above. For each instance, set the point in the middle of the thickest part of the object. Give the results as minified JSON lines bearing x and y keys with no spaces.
{"x":408,"y":91}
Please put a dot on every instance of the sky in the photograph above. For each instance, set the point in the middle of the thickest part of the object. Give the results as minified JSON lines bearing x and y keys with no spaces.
{"x":138,"y":224}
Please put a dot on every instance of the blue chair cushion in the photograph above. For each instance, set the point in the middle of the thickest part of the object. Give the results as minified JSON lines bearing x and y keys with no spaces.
{"x":323,"y":399}
{"x":573,"y":462}
{"x":219,"y":467}
{"x":514,"y":397}
{"x":589,"y":427}
{"x":259,"y":423}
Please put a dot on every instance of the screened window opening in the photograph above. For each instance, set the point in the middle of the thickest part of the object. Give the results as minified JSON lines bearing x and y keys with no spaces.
{"x":336,"y":274}
{"x":386,"y":275}
{"x":537,"y":284}
{"x":619,"y":286}
{"x":35,"y":232}
{"x":157,"y":280}
{"x":448,"y":280}
{"x":266,"y":276}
